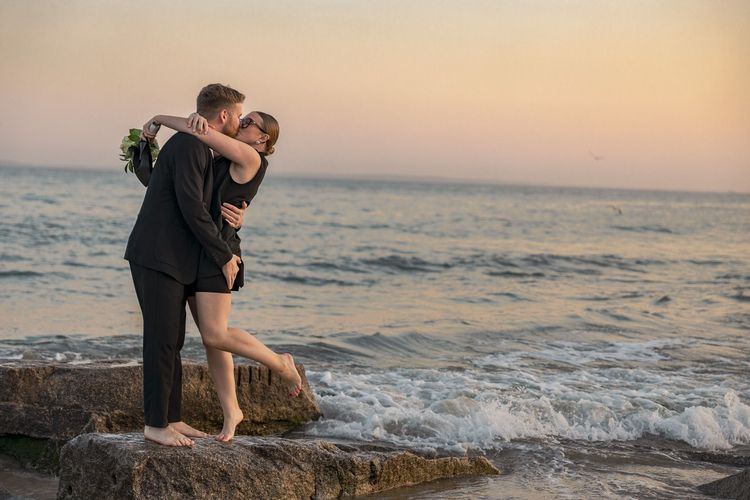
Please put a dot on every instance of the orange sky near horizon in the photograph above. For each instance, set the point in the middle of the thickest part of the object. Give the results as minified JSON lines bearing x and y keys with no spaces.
{"x":517,"y":92}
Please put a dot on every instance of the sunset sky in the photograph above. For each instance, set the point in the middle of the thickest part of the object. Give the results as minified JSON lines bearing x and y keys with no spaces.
{"x":637,"y":94}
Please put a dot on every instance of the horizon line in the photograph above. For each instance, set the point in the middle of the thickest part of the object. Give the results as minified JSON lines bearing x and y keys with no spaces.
{"x":398,"y":177}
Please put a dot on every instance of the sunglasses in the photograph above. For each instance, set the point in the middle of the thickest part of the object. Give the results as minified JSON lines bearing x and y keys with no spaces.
{"x":249,"y":122}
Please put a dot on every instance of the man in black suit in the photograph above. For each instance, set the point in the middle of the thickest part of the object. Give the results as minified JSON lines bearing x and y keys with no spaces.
{"x":164,"y":248}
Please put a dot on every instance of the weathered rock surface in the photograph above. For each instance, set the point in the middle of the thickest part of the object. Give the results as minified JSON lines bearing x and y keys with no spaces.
{"x":43,"y":405}
{"x":61,"y":401}
{"x":99,"y":466}
{"x":736,"y":486}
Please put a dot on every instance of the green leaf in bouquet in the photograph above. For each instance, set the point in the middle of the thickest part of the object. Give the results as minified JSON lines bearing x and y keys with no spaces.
{"x":130,"y":145}
{"x":126,"y":143}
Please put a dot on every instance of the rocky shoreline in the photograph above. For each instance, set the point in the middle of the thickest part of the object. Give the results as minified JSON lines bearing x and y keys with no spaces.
{"x":84,"y":423}
{"x":43,"y":405}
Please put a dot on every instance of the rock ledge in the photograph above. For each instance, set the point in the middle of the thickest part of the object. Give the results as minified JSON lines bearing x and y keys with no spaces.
{"x":43,"y":405}
{"x":60,"y":401}
{"x":95,"y":466}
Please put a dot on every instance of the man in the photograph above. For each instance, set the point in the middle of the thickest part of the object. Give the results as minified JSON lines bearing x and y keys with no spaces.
{"x":164,"y":248}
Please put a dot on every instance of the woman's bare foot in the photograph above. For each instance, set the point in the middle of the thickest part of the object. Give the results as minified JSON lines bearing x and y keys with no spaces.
{"x":291,"y":376}
{"x":166,"y":436}
{"x":230,"y":424}
{"x":186,"y":430}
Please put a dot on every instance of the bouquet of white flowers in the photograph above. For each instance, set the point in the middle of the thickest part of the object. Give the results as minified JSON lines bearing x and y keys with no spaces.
{"x":130,"y":148}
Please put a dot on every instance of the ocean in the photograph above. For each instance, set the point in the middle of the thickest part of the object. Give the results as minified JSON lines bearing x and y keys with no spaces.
{"x":589,"y":342}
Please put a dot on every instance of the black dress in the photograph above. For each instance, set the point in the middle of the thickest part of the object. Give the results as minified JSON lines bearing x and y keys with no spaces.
{"x":226,"y":190}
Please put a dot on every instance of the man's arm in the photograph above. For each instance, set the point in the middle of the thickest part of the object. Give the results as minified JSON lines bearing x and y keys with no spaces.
{"x":188,"y":184}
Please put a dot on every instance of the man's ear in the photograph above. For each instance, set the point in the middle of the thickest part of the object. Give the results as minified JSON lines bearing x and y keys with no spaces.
{"x":223,"y":116}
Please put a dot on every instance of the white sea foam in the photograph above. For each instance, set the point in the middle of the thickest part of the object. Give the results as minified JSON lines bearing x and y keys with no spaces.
{"x":70,"y":357}
{"x":459,"y":410}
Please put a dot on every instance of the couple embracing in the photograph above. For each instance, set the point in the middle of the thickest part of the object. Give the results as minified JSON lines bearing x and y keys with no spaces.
{"x":184,"y":248}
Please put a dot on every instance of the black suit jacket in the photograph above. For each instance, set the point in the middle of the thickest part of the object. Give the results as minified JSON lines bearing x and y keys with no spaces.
{"x":174,"y":223}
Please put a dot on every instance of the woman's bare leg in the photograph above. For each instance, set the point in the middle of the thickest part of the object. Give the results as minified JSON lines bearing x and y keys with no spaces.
{"x":213,"y":313}
{"x":222,"y":371}
{"x":221,"y":367}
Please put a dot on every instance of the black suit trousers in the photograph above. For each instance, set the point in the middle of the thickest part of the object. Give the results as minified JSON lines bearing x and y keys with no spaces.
{"x":162,"y":300}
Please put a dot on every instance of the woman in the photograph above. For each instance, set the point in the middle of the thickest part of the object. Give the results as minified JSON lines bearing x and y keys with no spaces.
{"x":237,"y":176}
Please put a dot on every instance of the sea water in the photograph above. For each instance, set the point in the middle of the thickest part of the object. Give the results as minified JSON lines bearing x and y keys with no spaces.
{"x":586,"y":341}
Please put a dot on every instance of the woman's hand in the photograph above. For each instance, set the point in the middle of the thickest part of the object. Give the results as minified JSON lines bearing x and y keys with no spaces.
{"x":150,"y":128}
{"x":197,"y":124}
{"x":233,"y":215}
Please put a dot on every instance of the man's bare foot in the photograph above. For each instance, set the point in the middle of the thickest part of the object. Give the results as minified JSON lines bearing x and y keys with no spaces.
{"x":186,"y":430}
{"x":166,"y":436}
{"x":230,"y":424}
{"x":291,"y":376}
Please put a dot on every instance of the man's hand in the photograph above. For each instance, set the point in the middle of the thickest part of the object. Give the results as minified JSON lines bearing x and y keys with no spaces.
{"x":197,"y":124}
{"x":233,"y":215}
{"x":230,"y":270}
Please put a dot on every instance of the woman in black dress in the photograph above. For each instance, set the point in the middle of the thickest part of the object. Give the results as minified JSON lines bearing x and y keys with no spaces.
{"x":237,"y":176}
